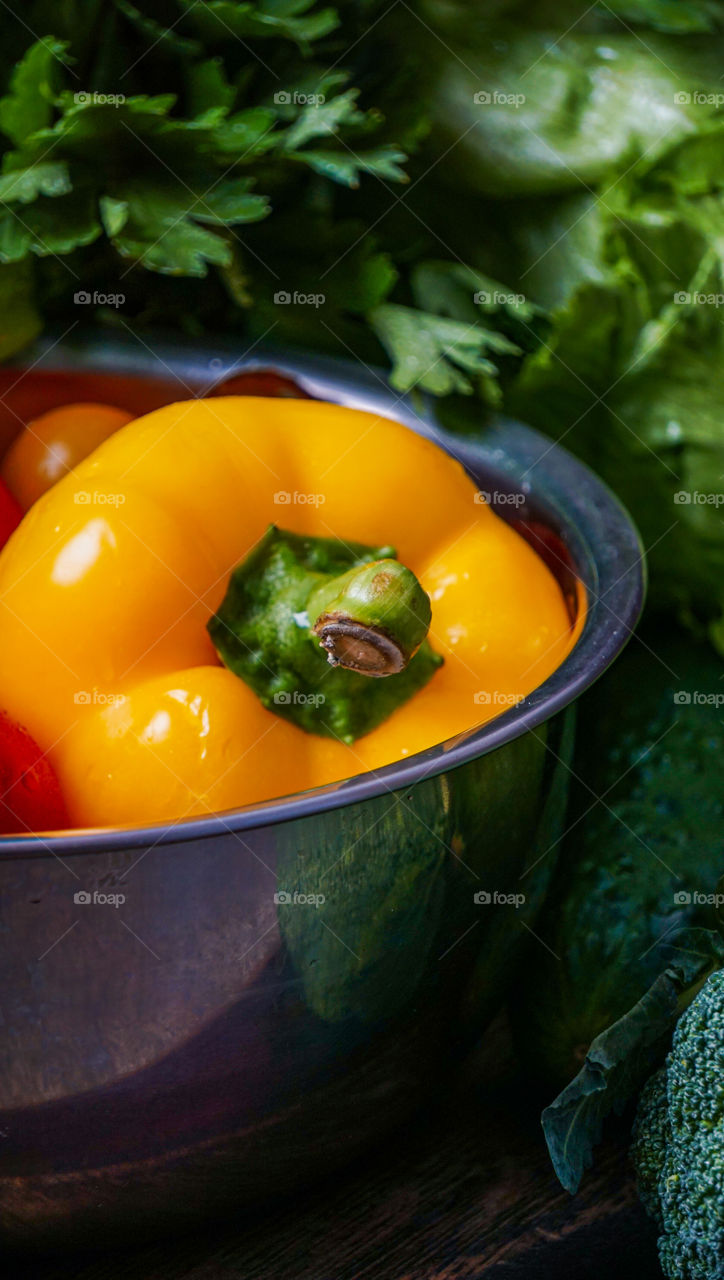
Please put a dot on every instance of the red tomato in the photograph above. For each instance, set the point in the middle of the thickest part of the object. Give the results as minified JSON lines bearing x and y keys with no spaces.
{"x":10,"y":514}
{"x":30,"y":797}
{"x":260,"y":382}
{"x":555,"y":556}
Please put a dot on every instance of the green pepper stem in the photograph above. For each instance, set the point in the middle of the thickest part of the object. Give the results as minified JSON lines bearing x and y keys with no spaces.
{"x":371,"y":619}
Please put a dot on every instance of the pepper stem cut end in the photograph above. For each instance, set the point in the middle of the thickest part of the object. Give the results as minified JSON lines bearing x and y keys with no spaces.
{"x":372,"y":619}
{"x":356,"y":647}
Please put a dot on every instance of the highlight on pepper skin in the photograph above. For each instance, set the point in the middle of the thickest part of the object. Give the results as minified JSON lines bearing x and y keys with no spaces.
{"x":176,"y":606}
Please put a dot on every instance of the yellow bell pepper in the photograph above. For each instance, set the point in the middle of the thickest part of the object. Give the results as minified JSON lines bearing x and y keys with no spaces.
{"x":108,"y":585}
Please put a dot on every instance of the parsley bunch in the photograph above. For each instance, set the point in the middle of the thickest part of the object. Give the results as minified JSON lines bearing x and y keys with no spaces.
{"x":224,"y":166}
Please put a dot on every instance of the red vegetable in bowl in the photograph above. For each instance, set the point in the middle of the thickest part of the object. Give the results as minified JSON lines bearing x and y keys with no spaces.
{"x":30,"y":796}
{"x":261,"y":382}
{"x":10,"y":514}
{"x":54,"y":443}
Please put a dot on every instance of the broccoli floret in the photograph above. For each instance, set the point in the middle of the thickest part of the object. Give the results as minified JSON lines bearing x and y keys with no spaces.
{"x":651,"y":1137}
{"x":678,"y":1146}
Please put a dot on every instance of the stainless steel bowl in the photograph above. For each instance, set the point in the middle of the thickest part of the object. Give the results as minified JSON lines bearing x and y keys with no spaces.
{"x":198,"y":1048}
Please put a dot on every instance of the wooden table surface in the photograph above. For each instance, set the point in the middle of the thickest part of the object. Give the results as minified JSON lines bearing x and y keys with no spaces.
{"x":465,"y":1191}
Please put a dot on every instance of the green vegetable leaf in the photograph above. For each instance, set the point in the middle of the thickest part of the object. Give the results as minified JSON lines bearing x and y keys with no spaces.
{"x":434,"y":353}
{"x":229,"y":202}
{"x":160,"y":231}
{"x":345,"y":167}
{"x":156,"y":34}
{"x":20,"y":320}
{"x":621,"y":1059}
{"x":452,"y":289}
{"x":85,"y":118}
{"x":682,"y":16}
{"x":216,"y":20}
{"x":208,"y":87}
{"x":114,"y":214}
{"x":246,"y":134}
{"x":318,"y":120}
{"x":368,"y":279}
{"x":460,"y":292}
{"x":49,"y":227}
{"x":24,"y":185}
{"x":630,"y":369}
{"x":33,"y":88}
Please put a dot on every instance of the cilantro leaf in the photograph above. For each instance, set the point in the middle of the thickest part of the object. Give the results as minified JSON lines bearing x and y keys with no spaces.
{"x":318,"y":120}
{"x":160,"y":228}
{"x":434,"y":353}
{"x":217,"y":19}
{"x":49,"y":227}
{"x":29,"y":104}
{"x":49,"y":178}
{"x":345,"y":167}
